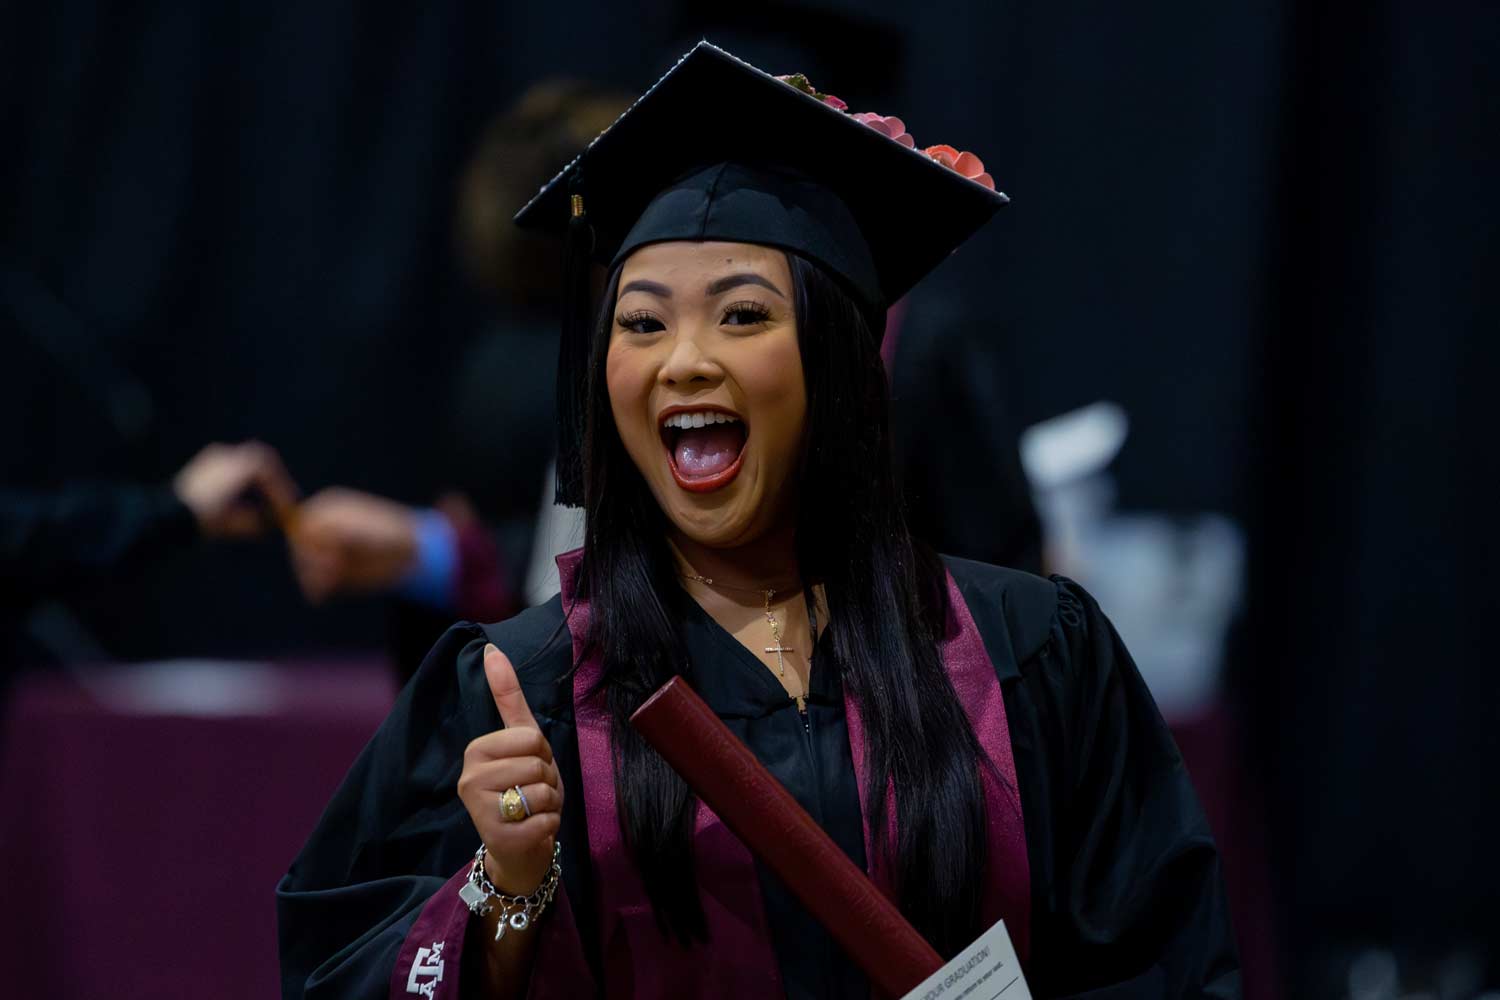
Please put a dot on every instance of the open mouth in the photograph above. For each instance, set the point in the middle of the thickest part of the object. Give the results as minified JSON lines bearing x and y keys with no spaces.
{"x":705,"y":446}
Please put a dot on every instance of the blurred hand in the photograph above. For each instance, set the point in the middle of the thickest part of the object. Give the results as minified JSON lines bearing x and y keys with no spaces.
{"x":519,"y":853}
{"x":349,"y":541}
{"x":236,"y":490}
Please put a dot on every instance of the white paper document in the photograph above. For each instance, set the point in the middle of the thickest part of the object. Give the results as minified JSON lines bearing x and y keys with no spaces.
{"x":985,"y":970}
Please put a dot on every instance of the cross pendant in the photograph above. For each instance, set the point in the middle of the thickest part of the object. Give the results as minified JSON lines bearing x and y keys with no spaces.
{"x":778,"y":649}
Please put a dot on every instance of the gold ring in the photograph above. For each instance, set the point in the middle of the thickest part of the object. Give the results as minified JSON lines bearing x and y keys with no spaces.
{"x":512,"y":806}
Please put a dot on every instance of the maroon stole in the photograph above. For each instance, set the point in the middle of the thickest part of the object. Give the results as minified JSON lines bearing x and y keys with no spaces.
{"x":739,"y":963}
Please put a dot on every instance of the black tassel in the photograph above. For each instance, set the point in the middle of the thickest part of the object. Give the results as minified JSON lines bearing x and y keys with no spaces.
{"x":573,"y":350}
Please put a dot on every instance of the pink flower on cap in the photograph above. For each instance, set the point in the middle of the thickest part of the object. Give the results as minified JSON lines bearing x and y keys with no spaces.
{"x":802,"y":83}
{"x":891,"y":126}
{"x":966,"y":164}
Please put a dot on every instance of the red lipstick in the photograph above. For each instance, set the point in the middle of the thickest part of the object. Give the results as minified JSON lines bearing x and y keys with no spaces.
{"x":698,"y":481}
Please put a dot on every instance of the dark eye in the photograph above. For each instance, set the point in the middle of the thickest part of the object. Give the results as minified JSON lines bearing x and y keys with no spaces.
{"x":745,"y":314}
{"x":640,"y":323}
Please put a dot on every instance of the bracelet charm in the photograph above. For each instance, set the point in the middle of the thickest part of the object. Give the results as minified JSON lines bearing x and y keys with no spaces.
{"x":517,"y":913}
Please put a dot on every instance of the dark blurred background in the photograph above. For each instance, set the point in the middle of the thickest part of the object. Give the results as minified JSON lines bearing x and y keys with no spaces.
{"x":1267,"y":232}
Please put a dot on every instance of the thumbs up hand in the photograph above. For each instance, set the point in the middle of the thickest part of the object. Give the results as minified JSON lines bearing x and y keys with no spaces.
{"x":520,"y":852}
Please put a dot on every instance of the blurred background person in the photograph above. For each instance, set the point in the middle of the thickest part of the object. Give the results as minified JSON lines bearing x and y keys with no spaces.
{"x":956,"y":439}
{"x":467,"y":556}
{"x":88,"y":506}
{"x":57,"y":543}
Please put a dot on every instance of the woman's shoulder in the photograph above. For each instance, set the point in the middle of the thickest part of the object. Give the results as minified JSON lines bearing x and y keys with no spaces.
{"x":536,"y":641}
{"x":1014,"y":610}
{"x":1028,"y":620}
{"x":532,"y":635}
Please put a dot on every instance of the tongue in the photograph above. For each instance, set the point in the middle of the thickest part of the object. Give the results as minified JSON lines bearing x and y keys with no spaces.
{"x":707,"y":451}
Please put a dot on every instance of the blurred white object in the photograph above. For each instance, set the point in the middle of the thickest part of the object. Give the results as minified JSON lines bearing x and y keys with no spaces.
{"x":186,"y":687}
{"x":1066,"y":459}
{"x":1373,"y":975}
{"x":1072,"y":446}
{"x":559,"y":529}
{"x":1171,"y":586}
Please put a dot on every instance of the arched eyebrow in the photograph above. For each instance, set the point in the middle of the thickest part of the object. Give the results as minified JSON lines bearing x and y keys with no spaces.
{"x":721,"y":285}
{"x":649,"y":287}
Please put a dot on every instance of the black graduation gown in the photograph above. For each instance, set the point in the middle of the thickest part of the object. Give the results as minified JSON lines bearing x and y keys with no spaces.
{"x":60,"y":543}
{"x":1125,"y":886}
{"x":54,"y":542}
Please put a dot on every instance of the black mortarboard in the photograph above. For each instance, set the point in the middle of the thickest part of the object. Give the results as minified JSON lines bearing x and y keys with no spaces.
{"x":719,"y":150}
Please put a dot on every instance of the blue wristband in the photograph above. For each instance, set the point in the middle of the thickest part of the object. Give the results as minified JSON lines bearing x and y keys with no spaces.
{"x":431,"y":579}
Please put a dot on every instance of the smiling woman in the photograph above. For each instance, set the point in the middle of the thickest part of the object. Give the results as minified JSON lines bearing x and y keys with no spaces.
{"x":974,"y":738}
{"x":705,"y":331}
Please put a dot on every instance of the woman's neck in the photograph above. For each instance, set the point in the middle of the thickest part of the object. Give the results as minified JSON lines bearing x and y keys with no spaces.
{"x":770,"y":562}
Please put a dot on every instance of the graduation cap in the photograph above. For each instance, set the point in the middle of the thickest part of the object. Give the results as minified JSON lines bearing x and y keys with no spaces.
{"x":719,"y":150}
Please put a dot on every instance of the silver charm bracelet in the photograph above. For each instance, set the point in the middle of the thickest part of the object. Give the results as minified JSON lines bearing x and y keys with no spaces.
{"x":516,"y":912}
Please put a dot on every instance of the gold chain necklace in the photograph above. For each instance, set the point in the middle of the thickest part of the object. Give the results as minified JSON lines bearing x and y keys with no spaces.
{"x":777,"y":646}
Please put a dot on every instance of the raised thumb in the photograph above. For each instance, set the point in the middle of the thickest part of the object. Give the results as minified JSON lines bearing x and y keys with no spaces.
{"x":505,"y":687}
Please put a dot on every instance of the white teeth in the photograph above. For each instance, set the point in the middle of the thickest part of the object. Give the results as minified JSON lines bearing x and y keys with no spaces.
{"x":702,"y":418}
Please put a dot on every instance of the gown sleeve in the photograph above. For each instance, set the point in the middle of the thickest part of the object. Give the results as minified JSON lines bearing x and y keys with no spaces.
{"x":52,"y":542}
{"x":1128,"y":900}
{"x":395,"y":833}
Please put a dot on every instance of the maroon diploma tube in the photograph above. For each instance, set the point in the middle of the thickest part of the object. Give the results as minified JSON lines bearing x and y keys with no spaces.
{"x":751,"y":802}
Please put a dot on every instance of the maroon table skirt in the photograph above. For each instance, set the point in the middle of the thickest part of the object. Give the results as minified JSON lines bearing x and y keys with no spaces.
{"x":146,"y":815}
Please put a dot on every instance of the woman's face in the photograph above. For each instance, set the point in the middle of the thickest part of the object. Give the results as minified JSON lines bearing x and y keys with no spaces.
{"x":705,"y":383}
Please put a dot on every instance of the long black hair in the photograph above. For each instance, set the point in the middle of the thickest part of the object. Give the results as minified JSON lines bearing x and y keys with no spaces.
{"x":886,"y":602}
